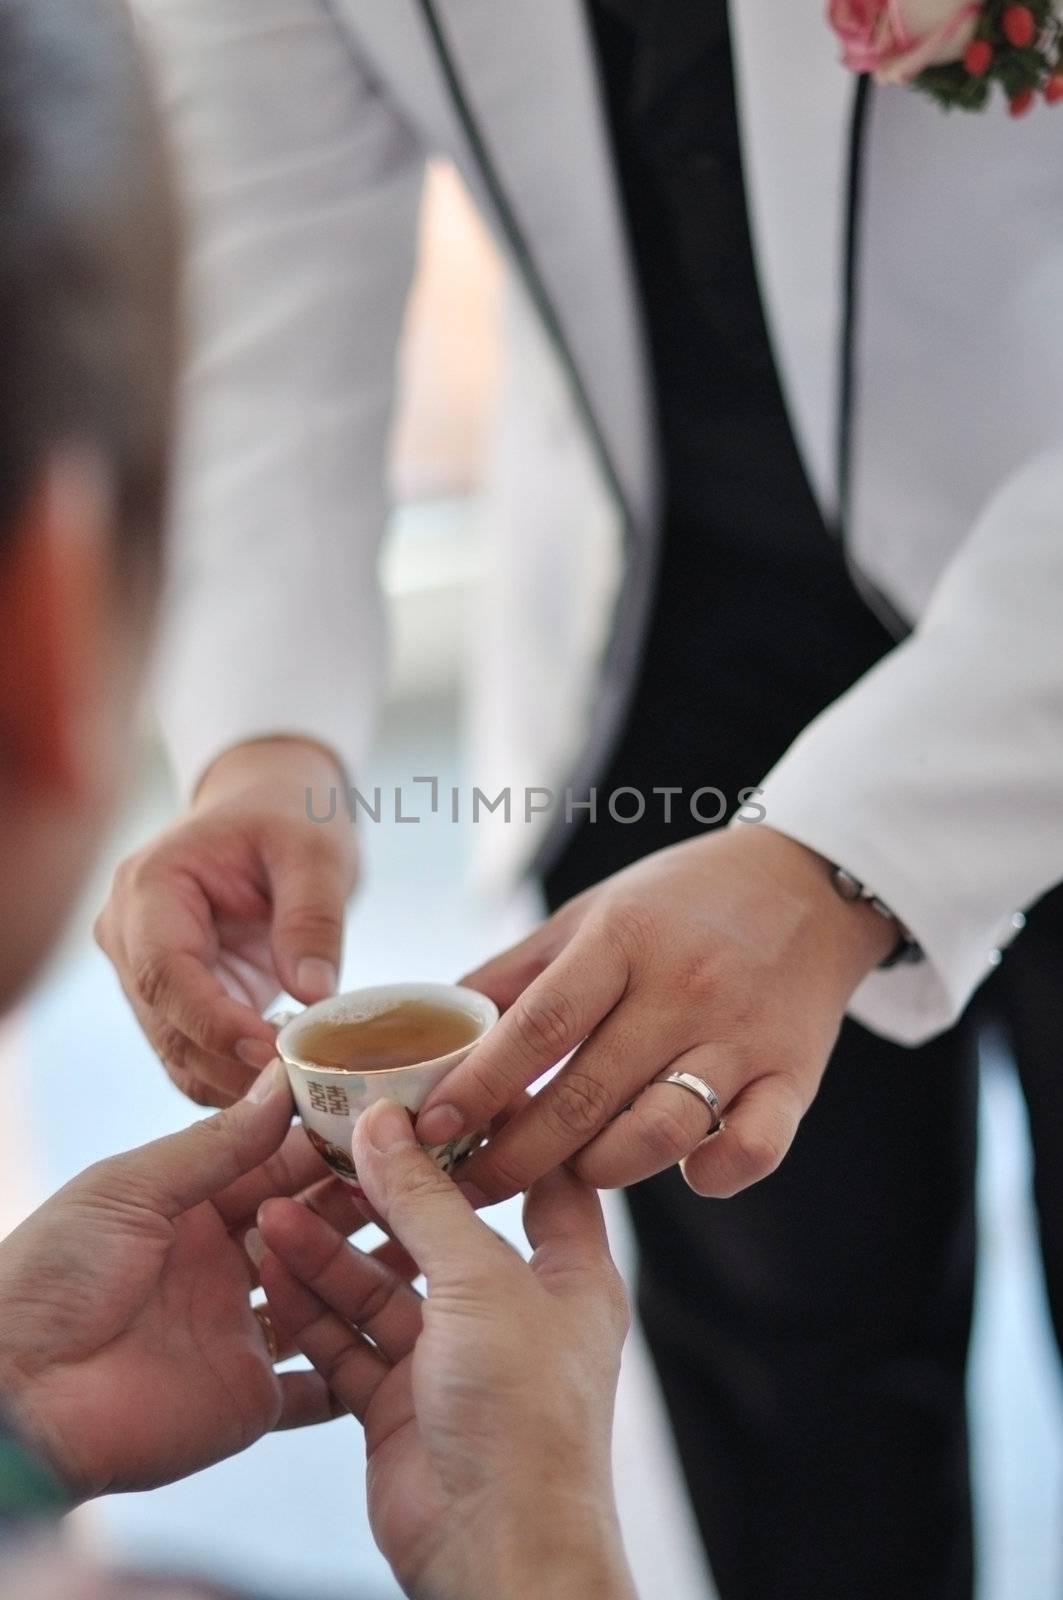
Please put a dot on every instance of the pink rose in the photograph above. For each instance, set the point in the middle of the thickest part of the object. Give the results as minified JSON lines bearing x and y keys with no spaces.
{"x":896,"y":39}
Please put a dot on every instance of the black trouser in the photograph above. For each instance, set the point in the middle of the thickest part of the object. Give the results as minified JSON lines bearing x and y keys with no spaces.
{"x":811,"y":1335}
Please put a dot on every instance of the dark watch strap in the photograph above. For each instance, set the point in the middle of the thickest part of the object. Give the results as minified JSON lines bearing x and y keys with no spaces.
{"x":907,"y":949}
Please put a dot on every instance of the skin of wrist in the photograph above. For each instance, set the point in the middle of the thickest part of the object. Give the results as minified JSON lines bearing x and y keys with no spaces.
{"x":287,"y":763}
{"x":537,"y":1547}
{"x":852,"y":938}
{"x":42,"y":1441}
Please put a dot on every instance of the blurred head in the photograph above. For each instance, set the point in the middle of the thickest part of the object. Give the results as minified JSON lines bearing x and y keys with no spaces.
{"x":88,"y":246}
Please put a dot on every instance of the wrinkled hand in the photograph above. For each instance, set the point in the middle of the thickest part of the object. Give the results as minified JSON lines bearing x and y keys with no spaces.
{"x":729,"y":957}
{"x":488,"y":1406}
{"x":241,"y":899}
{"x":129,"y":1352}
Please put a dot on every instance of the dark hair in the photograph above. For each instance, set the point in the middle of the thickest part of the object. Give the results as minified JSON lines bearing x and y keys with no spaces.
{"x":88,"y":253}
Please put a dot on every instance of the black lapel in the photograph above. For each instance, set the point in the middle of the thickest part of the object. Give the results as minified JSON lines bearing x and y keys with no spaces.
{"x":847,"y":389}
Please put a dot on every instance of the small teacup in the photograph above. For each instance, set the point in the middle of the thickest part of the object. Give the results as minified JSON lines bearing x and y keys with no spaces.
{"x":330,"y":1097}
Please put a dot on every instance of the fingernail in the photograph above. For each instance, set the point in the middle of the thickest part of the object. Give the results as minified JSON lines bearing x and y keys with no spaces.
{"x":255,"y":1053}
{"x":476,"y":1197}
{"x":315,"y":979}
{"x":267,"y":1083}
{"x":254,"y":1245}
{"x":387,"y":1126}
{"x":440,"y":1125}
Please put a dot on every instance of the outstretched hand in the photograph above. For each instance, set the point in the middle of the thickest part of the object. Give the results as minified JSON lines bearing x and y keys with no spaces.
{"x":241,"y":899}
{"x":129,"y":1350}
{"x":488,"y":1405}
{"x":729,"y":958}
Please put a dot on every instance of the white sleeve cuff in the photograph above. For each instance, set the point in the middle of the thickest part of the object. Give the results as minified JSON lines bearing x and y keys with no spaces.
{"x":937,"y":780}
{"x":913,"y":1001}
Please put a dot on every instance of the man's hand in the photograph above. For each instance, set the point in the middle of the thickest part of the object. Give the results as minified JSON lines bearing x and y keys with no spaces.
{"x":129,"y":1351}
{"x":730,"y":958}
{"x":488,"y":1406}
{"x":243,"y":898}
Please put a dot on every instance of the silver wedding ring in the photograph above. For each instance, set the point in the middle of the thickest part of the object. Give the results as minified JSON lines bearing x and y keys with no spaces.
{"x":705,"y":1093}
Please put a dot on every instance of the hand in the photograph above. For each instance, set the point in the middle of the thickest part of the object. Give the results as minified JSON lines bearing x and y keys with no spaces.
{"x":730,"y":957}
{"x":243,"y":898}
{"x":129,"y":1352}
{"x":487,"y":1407}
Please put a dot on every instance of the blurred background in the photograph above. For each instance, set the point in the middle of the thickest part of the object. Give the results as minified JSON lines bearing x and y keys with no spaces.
{"x":288,"y":1517}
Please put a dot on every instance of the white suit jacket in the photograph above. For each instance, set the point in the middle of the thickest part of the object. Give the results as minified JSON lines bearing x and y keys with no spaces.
{"x":302,"y":128}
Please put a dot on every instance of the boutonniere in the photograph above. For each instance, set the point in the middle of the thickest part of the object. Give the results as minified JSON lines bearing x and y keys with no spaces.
{"x":957,"y":52}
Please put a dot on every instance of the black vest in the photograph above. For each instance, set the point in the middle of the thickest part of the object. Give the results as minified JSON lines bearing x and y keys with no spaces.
{"x":756,"y":625}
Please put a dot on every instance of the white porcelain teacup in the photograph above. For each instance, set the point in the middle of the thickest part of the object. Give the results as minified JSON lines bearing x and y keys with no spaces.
{"x":330,"y":1098}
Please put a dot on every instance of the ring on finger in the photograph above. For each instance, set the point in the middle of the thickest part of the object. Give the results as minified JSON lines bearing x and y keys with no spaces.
{"x":705,"y":1093}
{"x":269,"y":1332}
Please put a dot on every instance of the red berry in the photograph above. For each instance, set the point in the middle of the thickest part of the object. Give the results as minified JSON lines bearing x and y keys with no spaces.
{"x":1054,"y":88}
{"x":978,"y":57}
{"x":1021,"y":102}
{"x":1019,"y":26}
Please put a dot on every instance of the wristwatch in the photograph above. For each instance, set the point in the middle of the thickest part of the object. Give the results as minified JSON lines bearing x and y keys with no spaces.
{"x":848,"y":888}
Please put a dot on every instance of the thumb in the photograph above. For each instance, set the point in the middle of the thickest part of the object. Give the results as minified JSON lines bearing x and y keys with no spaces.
{"x":422,"y":1207}
{"x":309,"y":885}
{"x":174,"y":1174}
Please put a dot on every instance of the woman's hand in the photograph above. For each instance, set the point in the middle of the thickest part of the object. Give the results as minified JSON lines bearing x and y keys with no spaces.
{"x":730,"y":958}
{"x":241,"y":899}
{"x":129,"y":1352}
{"x":488,"y":1406}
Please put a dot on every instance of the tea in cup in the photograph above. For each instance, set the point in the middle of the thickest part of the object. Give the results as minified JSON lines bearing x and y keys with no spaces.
{"x":394,"y":1042}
